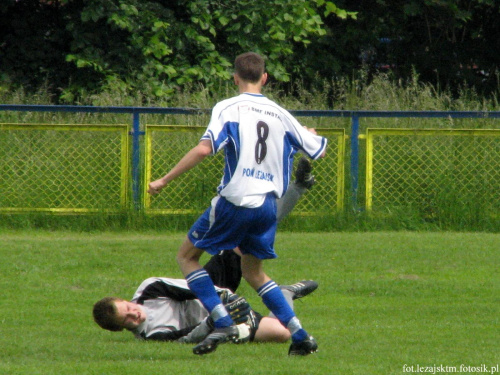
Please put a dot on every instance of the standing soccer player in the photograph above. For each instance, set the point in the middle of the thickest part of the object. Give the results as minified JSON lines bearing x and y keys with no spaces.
{"x":260,"y":140}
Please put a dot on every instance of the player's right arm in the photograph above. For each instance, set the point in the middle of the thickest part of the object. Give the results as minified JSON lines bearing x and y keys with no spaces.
{"x":189,"y":161}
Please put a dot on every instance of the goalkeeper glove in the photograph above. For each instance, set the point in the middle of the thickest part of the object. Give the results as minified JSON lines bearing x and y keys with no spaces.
{"x":237,"y":307}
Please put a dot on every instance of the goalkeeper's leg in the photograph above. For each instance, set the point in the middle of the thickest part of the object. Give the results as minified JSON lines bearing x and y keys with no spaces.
{"x":288,"y":201}
{"x":304,"y":180}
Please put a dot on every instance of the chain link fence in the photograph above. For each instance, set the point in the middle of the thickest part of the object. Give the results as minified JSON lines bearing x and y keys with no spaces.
{"x":192,"y":192}
{"x":432,"y":171}
{"x":434,"y":166}
{"x":63,"y":168}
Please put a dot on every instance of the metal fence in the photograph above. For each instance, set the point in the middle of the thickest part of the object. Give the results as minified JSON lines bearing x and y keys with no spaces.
{"x":64,"y":168}
{"x":425,"y":169}
{"x":93,"y":168}
{"x":191,"y":191}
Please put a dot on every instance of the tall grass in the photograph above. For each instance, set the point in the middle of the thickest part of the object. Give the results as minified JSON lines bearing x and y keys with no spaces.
{"x":380,"y":93}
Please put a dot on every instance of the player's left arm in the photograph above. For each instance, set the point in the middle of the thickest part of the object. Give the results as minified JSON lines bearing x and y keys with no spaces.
{"x":306,"y":139}
{"x":313,"y":131}
{"x":313,"y":144}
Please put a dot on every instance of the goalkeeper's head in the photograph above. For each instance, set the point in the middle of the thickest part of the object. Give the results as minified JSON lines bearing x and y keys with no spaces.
{"x":116,"y":314}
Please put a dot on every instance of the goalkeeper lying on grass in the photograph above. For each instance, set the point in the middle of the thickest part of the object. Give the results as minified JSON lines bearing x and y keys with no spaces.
{"x":164,"y":309}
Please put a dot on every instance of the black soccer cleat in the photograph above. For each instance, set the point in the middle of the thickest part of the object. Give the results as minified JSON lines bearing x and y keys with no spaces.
{"x":305,"y":347}
{"x":303,"y":176}
{"x":218,"y":336}
{"x":302,"y":288}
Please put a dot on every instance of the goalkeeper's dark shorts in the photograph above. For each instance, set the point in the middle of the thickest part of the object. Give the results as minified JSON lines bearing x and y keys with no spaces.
{"x":225,"y":270}
{"x":256,"y":318}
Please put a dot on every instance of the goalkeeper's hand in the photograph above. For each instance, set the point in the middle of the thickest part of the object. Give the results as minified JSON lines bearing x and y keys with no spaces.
{"x":237,"y":307}
{"x":246,"y":329}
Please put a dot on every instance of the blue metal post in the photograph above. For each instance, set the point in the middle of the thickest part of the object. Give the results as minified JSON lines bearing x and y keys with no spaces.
{"x":354,"y":161}
{"x":136,"y":160}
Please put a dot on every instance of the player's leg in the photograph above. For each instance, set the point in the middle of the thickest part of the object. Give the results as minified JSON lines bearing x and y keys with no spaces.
{"x":220,"y":227}
{"x":205,"y":234}
{"x":273,"y":298}
{"x":267,"y":289}
{"x":296,"y":291}
{"x":303,"y":175}
{"x":201,"y":285}
{"x":188,"y":257}
{"x":270,"y":329}
{"x":258,"y":245}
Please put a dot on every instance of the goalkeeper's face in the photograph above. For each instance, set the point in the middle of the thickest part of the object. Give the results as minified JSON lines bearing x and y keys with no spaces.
{"x":129,"y":315}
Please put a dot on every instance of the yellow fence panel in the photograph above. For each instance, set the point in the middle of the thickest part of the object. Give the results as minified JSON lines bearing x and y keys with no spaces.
{"x":426,"y":169}
{"x":192,"y":192}
{"x":64,"y":168}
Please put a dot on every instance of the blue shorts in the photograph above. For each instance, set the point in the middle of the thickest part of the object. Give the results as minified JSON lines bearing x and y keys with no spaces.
{"x":225,"y":226}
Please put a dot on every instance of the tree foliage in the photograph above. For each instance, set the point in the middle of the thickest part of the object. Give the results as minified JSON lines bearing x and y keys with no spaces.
{"x":446,"y":42}
{"x":159,"y":46}
{"x":156,"y":46}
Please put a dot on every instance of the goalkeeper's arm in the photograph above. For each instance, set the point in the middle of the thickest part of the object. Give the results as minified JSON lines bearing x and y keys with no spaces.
{"x":199,"y":332}
{"x":167,"y":335}
{"x":240,"y":311}
{"x":194,"y":334}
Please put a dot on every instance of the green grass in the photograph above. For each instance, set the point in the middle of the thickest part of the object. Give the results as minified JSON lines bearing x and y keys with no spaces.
{"x":386,"y":300}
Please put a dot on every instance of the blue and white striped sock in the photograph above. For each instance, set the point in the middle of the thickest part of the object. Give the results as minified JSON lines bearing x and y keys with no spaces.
{"x":298,"y":333}
{"x":273,"y":298}
{"x":202,"y":286}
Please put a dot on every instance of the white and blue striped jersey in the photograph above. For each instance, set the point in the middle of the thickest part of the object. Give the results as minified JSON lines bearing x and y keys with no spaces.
{"x":260,"y":139}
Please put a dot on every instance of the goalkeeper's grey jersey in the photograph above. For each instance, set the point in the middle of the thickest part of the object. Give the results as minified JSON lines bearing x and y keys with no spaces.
{"x":172,"y":309}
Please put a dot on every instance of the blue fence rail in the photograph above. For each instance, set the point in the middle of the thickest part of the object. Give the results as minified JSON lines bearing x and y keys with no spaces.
{"x":137,"y":130}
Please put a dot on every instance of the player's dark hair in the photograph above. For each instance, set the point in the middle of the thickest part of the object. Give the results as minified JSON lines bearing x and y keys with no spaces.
{"x":250,"y":66}
{"x":105,"y":314}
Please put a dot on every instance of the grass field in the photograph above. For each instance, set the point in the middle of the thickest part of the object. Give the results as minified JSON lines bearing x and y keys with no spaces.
{"x":387,"y":301}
